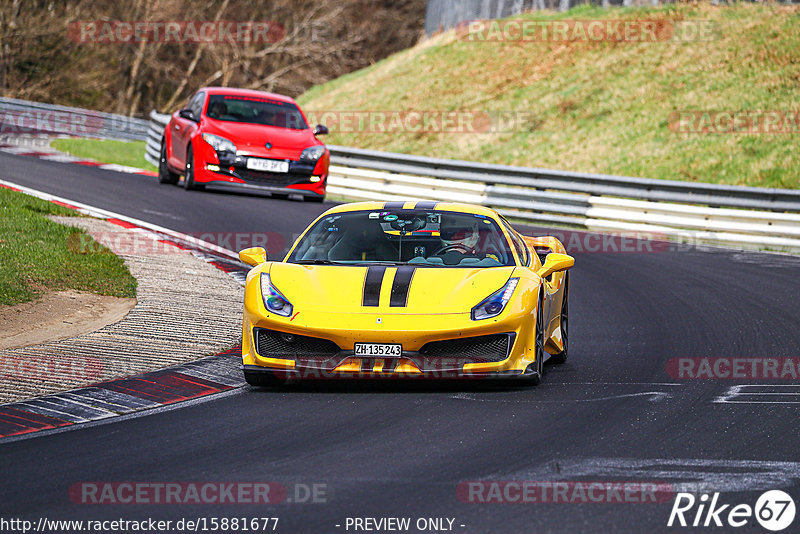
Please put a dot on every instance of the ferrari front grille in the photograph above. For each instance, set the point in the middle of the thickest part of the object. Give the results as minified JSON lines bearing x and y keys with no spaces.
{"x":272,"y":344}
{"x":478,"y":349}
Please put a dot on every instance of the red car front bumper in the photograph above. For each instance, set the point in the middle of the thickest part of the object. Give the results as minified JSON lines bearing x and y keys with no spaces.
{"x":305,"y":179}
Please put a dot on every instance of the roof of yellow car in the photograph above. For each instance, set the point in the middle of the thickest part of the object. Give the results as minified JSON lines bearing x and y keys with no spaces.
{"x":414,"y":204}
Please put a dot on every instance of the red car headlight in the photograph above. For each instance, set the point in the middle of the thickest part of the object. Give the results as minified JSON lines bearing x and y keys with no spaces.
{"x":312,"y":154}
{"x":220,"y":144}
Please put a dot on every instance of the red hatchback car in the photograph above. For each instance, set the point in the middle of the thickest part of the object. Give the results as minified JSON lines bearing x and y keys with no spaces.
{"x":244,"y":138}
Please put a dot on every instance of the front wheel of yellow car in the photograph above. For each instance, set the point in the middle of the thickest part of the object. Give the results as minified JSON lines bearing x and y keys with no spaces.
{"x":561,"y":357}
{"x":536,"y":369}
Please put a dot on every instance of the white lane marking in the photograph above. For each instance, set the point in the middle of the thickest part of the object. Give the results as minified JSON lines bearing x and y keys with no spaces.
{"x":652,"y":396}
{"x":63,"y":158}
{"x":120,"y":168}
{"x":19,"y":149}
{"x":760,"y":394}
{"x":684,"y":474}
{"x":774,"y":260}
{"x":105,"y":214}
{"x":620,"y":383}
{"x":162,"y":214}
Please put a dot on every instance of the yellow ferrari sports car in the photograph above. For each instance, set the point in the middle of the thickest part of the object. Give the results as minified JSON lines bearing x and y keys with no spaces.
{"x":406,"y":289}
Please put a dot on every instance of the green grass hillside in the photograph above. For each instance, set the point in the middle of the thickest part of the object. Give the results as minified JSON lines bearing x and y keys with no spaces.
{"x":597,"y":106}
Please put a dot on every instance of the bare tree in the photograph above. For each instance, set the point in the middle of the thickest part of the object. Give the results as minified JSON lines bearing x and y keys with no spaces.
{"x":322,"y":40}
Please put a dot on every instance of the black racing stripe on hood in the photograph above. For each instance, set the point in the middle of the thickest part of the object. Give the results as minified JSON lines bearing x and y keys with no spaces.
{"x":425,"y":205}
{"x":393,"y":205}
{"x":372,"y":285}
{"x":402,"y":281}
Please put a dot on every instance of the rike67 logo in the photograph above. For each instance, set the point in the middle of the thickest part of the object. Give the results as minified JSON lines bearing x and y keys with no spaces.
{"x":774,"y":510}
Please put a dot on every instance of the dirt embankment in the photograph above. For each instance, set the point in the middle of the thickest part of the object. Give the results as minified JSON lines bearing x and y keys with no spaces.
{"x":59,"y":315}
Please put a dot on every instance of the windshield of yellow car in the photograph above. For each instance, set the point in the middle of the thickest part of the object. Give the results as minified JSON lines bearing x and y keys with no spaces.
{"x":424,"y":238}
{"x":254,"y":110}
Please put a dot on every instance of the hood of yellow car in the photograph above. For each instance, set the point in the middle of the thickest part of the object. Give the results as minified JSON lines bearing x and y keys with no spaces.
{"x":386,"y":289}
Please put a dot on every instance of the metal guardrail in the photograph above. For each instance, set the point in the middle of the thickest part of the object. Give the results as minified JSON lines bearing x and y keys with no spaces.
{"x":446,"y":14}
{"x":155,"y":131}
{"x":21,"y":117}
{"x":696,"y":212}
{"x":588,"y":183}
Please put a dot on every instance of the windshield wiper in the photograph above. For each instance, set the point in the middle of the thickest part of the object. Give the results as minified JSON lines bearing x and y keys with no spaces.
{"x":376,"y":262}
{"x":318,"y":262}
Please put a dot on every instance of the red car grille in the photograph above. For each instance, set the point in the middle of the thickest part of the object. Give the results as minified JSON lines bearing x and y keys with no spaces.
{"x":271,"y":178}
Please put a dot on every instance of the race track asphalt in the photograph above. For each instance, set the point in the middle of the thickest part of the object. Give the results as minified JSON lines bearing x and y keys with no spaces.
{"x":613,"y":412}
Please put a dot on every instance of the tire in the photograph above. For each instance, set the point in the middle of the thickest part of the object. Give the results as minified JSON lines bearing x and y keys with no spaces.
{"x":315,"y":199}
{"x":538,"y":364}
{"x":165,"y":176}
{"x":561,"y":357}
{"x":188,"y":176}
{"x":264,"y":379}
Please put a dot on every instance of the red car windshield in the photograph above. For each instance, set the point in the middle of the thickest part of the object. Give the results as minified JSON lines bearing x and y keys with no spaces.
{"x":255,"y":110}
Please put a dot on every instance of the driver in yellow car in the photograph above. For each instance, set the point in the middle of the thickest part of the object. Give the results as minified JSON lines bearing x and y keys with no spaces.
{"x":461,"y":236}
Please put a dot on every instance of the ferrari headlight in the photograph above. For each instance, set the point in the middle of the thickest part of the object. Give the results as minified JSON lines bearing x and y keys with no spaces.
{"x":494,"y":304}
{"x":312,"y":154}
{"x":220,"y":144}
{"x":274,"y":300}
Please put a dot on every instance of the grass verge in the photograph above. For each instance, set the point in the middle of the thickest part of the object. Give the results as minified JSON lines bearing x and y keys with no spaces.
{"x":595,"y":106}
{"x":35,"y":255}
{"x":130,"y":153}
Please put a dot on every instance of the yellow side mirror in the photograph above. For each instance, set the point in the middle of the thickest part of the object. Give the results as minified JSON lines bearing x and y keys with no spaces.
{"x":554,"y":263}
{"x":253,"y":256}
